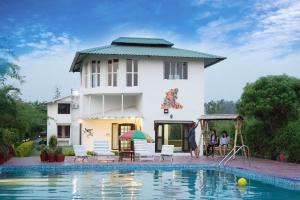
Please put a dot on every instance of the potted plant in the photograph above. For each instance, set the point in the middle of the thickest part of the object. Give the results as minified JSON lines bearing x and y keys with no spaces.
{"x":59,"y":156}
{"x":53,"y":142}
{"x":3,"y":154}
{"x":44,"y":153}
{"x":51,"y":155}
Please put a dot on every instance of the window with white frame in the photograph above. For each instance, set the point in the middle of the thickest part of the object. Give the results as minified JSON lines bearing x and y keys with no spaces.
{"x":131,"y":73}
{"x":85,"y":71}
{"x":63,"y":131}
{"x":112,"y":72}
{"x":95,"y":74}
{"x":175,"y":70}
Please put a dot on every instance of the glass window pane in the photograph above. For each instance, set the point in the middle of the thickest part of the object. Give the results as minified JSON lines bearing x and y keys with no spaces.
{"x":109,"y":66}
{"x":115,"y":79}
{"x":115,"y":65}
{"x":98,"y":67}
{"x":167,"y":70}
{"x":185,"y":70}
{"x":135,"y":79}
{"x":129,"y":79}
{"x":109,"y":79}
{"x":129,"y":65}
{"x":98,"y":80}
{"x":179,"y":70}
{"x":135,"y":66}
{"x":93,"y":66}
{"x":172,"y":70}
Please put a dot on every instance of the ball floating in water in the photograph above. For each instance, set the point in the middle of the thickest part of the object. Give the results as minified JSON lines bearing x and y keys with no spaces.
{"x":242,"y":182}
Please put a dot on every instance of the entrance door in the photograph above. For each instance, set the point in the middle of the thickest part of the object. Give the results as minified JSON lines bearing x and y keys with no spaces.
{"x":117,"y":130}
{"x":172,"y":134}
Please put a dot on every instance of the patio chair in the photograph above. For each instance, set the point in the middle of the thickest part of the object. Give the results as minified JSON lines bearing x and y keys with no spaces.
{"x":101,"y":149}
{"x":167,"y":151}
{"x":143,"y":150}
{"x":80,"y":152}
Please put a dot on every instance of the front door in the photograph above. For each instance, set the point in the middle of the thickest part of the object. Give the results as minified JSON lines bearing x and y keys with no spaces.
{"x":171,"y":134}
{"x":117,"y":130}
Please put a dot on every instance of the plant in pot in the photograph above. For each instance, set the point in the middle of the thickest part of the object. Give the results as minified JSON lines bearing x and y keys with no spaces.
{"x":51,"y":155}
{"x":44,"y":153}
{"x":59,"y":156}
{"x":53,"y":142}
{"x":3,"y":154}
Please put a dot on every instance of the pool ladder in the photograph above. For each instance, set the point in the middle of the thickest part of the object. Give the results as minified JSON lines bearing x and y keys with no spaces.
{"x":228,"y":157}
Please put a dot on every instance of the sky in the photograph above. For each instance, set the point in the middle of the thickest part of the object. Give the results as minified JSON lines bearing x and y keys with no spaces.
{"x":258,"y":37}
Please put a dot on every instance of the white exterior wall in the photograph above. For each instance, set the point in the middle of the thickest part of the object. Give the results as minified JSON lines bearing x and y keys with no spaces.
{"x":149,"y":95}
{"x":55,"y":119}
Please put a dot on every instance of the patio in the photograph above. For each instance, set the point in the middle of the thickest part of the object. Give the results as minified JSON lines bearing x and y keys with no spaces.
{"x":274,"y":168}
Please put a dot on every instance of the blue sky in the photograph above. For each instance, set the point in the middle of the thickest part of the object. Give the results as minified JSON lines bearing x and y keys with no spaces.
{"x":258,"y":37}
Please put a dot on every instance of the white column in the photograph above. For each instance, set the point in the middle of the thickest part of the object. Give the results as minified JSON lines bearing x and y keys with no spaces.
{"x":122,"y":102}
{"x":103,"y":105}
{"x":90,"y":99}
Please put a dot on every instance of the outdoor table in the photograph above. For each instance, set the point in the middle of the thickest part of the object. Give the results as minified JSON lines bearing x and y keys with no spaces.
{"x":126,"y":154}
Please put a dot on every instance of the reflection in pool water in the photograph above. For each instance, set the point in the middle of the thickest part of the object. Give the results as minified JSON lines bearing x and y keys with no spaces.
{"x":159,"y":184}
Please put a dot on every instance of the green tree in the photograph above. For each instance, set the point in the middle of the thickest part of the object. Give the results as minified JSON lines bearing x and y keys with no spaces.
{"x":271,"y":99}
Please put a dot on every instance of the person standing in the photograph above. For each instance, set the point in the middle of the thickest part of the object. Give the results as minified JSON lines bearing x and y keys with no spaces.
{"x":192,"y":139}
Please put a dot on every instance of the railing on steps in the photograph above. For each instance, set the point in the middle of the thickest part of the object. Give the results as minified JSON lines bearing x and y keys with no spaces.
{"x":229,"y":157}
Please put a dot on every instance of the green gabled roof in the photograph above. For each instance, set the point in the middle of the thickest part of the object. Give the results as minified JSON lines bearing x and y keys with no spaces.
{"x":130,"y":41}
{"x":131,"y":48}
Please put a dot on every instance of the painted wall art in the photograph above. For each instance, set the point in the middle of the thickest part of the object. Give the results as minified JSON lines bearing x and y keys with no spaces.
{"x":170,"y":100}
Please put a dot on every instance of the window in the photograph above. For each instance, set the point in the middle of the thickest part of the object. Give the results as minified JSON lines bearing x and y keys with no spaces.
{"x":175,"y":70}
{"x":63,"y":131}
{"x":85,"y":75}
{"x":112,"y":69}
{"x":131,"y":73}
{"x":63,"y":108}
{"x":95,"y":75}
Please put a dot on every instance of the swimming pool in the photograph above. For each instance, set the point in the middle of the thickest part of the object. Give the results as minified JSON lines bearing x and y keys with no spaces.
{"x":167,"y":182}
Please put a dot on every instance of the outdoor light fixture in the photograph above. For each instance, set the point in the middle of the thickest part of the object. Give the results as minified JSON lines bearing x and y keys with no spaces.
{"x":166,"y":111}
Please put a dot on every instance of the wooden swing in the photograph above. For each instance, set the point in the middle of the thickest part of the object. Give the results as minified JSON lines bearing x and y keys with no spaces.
{"x":238,"y":121}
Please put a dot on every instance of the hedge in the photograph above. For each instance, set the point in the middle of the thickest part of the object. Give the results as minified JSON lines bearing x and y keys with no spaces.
{"x":25,"y":149}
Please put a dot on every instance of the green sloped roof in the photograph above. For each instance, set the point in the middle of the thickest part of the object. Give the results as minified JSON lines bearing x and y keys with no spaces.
{"x":131,"y":41}
{"x":143,"y":50}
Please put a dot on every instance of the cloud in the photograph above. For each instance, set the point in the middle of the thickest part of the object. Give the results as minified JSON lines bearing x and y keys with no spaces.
{"x":47,"y":65}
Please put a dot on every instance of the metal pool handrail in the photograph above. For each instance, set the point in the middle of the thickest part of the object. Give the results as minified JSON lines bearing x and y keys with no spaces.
{"x":228,"y":156}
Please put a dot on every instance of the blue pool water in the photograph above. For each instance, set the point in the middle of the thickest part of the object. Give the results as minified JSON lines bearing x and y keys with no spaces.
{"x":152,"y":184}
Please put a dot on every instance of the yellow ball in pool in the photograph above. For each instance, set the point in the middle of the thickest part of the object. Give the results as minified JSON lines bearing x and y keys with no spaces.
{"x":242,"y":182}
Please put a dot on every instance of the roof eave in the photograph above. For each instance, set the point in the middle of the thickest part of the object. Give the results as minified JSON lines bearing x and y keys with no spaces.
{"x":214,"y":62}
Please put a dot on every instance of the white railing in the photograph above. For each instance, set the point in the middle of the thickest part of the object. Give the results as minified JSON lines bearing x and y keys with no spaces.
{"x":229,"y":157}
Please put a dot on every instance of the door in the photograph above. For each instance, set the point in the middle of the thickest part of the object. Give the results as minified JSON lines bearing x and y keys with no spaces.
{"x":171,"y":134}
{"x":117,"y":130}
{"x":122,"y":129}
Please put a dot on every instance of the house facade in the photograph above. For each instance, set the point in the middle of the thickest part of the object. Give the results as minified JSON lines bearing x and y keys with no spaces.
{"x":133,"y":84}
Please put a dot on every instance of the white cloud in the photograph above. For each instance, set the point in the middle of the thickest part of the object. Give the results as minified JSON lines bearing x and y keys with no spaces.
{"x":48,"y":67}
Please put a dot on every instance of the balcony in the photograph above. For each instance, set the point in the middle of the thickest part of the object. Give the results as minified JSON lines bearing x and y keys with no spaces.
{"x":105,"y":106}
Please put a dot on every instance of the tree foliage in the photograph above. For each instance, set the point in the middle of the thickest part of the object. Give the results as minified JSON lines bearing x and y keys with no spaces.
{"x":272,"y":99}
{"x":221,"y":107}
{"x":271,"y":105}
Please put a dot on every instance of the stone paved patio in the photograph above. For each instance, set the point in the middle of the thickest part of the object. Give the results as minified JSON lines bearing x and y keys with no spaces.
{"x":275,"y":168}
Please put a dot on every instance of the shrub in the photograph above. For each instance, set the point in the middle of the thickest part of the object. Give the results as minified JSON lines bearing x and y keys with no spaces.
{"x":44,"y":149}
{"x":25,"y":149}
{"x":9,"y":136}
{"x":59,"y":151}
{"x":69,"y":151}
{"x":91,"y":153}
{"x":288,"y":141}
{"x":53,"y":142}
{"x":43,"y":141}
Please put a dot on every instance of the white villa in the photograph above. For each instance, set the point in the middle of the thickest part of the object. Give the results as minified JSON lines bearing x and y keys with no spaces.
{"x":134,"y":83}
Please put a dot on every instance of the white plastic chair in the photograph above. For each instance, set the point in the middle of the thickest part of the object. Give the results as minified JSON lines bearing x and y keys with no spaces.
{"x":167,"y":151}
{"x":80,"y":152}
{"x":101,"y":148}
{"x":143,"y":150}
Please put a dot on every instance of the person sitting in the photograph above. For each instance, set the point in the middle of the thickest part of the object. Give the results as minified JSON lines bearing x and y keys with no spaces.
{"x":213,"y":141}
{"x":224,"y":141}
